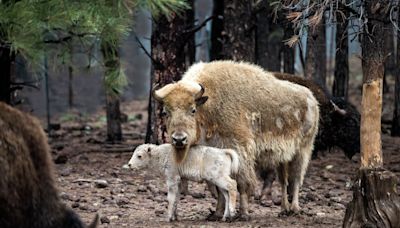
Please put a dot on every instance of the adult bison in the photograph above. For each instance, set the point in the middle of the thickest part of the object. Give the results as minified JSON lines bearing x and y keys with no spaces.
{"x":339,"y":125}
{"x":28,"y":197}
{"x":270,"y":122}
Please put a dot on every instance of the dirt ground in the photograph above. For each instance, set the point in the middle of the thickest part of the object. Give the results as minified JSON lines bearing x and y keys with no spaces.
{"x":91,"y":180}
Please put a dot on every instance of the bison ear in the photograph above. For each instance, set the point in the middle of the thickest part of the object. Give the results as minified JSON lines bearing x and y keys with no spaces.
{"x":201,"y":100}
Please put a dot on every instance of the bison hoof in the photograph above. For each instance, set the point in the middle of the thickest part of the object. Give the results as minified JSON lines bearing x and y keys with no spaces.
{"x":214,"y":217}
{"x":295,"y":209}
{"x":242,"y":217}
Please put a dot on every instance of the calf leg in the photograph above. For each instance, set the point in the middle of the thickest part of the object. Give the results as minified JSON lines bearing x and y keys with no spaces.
{"x":283,"y":179}
{"x":219,"y":211}
{"x":228,"y":187}
{"x":173,"y":197}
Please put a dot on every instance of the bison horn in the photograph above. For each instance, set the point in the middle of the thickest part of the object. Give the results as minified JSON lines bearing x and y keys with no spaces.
{"x":200,"y":93}
{"x":337,"y":109}
{"x":154,"y":94}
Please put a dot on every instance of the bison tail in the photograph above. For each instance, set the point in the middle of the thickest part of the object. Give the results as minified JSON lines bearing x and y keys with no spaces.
{"x":235,"y":161}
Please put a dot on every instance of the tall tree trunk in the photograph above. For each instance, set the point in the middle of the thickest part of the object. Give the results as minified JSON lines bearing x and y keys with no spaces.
{"x":268,"y":38}
{"x":396,"y":112}
{"x":217,"y":28}
{"x":288,"y":52}
{"x":168,"y":43}
{"x":390,"y":61}
{"x":341,"y":79}
{"x":5,"y":74}
{"x":239,"y":43}
{"x":316,"y":55}
{"x":112,"y":63}
{"x":375,"y":201}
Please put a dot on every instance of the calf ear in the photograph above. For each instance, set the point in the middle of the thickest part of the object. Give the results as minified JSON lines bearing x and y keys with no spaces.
{"x":201,"y":100}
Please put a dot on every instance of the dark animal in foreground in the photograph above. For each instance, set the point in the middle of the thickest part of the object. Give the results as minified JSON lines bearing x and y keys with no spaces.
{"x":339,"y":125}
{"x":28,"y":196}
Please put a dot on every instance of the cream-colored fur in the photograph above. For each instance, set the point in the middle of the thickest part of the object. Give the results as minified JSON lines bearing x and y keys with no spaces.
{"x":271,"y":123}
{"x":216,"y":166}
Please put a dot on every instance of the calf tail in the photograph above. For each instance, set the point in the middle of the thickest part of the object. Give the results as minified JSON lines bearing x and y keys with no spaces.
{"x":235,"y":161}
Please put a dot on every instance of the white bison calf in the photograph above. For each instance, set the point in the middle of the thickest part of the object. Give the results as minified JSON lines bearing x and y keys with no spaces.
{"x":202,"y":163}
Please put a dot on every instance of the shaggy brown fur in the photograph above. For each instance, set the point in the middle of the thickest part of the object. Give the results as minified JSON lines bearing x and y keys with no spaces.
{"x":28,"y":197}
{"x":270,"y":122}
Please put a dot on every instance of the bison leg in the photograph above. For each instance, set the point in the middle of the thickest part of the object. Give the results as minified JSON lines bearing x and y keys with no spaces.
{"x":297,"y":170}
{"x":283,"y":179}
{"x":244,"y":203}
{"x":184,"y":187}
{"x":268,"y":176}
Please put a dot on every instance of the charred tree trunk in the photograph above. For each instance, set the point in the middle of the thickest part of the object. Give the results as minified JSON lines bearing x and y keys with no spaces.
{"x":341,"y":79}
{"x":396,"y":112}
{"x":5,"y":74}
{"x":316,"y":55}
{"x":288,"y":52}
{"x":217,"y":28}
{"x":239,"y":43}
{"x":375,"y":200}
{"x":168,"y":43}
{"x":112,"y":63}
{"x":390,"y":61}
{"x":268,"y":37}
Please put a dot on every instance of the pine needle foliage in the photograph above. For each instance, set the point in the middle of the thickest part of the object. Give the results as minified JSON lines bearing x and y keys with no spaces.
{"x":33,"y":28}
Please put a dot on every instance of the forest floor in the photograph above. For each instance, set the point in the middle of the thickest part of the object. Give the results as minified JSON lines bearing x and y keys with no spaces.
{"x":91,"y":180}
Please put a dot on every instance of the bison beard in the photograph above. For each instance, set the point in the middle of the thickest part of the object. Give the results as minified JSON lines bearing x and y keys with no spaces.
{"x":28,"y":197}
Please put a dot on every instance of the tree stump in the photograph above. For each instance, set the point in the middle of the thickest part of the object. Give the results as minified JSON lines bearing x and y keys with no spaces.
{"x":376,"y":202}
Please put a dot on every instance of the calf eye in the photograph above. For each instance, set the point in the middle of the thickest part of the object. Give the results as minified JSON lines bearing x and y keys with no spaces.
{"x":139,"y":156}
{"x":193,"y":111}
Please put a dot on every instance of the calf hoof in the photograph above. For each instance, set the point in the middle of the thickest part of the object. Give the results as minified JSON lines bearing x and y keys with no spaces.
{"x":214,"y":217}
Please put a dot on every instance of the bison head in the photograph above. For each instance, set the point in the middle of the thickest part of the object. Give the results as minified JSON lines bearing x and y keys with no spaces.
{"x":181,"y":101}
{"x":346,"y":121}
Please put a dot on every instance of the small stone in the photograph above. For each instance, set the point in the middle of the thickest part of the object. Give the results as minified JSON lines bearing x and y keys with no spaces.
{"x":321,"y":214}
{"x":101,"y":183}
{"x":159,"y":212}
{"x":65,"y":172}
{"x":104,"y":219}
{"x":142,"y":188}
{"x":61,"y":159}
{"x":84,"y":207}
{"x":122,"y":201}
{"x":65,"y":196}
{"x":197,"y":195}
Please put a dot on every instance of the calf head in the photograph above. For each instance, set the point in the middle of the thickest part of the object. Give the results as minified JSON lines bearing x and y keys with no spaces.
{"x":181,"y":101}
{"x":141,"y":157}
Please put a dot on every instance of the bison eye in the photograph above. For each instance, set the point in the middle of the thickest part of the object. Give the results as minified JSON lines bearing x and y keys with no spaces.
{"x":139,"y":156}
{"x":193,"y":111}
